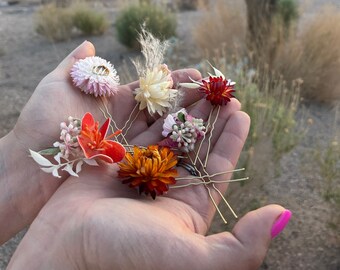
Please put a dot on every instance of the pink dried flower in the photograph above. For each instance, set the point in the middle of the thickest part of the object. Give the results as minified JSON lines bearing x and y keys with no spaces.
{"x":68,"y":136}
{"x":96,"y":76}
{"x":183,"y":130}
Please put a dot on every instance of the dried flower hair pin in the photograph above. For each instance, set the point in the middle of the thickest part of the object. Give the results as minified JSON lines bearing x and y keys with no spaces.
{"x":219,"y":91}
{"x":81,"y":141}
{"x":182,"y":131}
{"x":150,"y":169}
{"x":155,"y":91}
{"x":95,"y":76}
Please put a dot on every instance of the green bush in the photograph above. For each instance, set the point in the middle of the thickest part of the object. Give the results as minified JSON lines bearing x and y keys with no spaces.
{"x":54,"y":23}
{"x":158,"y":22}
{"x":288,"y":11}
{"x":88,"y":21}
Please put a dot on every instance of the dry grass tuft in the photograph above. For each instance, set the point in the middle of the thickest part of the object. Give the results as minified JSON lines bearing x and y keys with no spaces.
{"x":314,"y":56}
{"x":222,"y":24}
{"x":89,"y":21}
{"x":54,"y":23}
{"x":271,"y":103}
{"x":57,"y":23}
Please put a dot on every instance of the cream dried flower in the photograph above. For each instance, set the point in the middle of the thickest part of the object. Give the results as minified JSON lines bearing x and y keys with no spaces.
{"x":96,"y":76}
{"x":155,"y":90}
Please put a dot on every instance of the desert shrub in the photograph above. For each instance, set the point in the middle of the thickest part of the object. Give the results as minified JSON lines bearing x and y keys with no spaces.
{"x":89,"y":21}
{"x":186,"y":4}
{"x":329,"y":162}
{"x":57,"y":23}
{"x":288,"y":12}
{"x":54,"y":23}
{"x":314,"y":56}
{"x":272,"y":105}
{"x":270,"y":23}
{"x":157,"y":21}
{"x":220,"y":26}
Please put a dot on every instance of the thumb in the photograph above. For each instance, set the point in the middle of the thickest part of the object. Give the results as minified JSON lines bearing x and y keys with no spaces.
{"x":249,"y":241}
{"x":84,"y":50}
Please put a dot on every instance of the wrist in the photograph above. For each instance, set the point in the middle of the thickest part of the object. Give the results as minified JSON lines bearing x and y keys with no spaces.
{"x":43,"y":247}
{"x":24,"y":188}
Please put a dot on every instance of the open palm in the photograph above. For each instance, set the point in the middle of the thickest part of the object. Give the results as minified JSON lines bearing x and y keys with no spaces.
{"x":96,"y":222}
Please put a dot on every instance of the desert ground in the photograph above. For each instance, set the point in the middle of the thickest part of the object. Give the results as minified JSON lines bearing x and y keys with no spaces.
{"x":312,"y":238}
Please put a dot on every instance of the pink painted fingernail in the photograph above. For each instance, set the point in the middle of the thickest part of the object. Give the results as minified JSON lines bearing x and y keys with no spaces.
{"x":281,"y":222}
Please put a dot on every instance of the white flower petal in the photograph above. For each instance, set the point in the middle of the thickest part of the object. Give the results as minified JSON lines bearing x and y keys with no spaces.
{"x":189,"y":85}
{"x":40,"y":159}
{"x":90,"y":162}
{"x":95,"y":76}
{"x":68,"y":168}
{"x":48,"y":169}
{"x":78,"y":166}
{"x":218,"y":73}
{"x":154,"y":92}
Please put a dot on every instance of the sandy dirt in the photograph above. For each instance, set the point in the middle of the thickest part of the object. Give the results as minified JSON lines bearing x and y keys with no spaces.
{"x":311,"y":241}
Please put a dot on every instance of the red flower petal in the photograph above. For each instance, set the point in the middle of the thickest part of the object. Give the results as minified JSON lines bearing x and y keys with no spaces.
{"x":93,"y":143}
{"x":116,"y":151}
{"x":88,"y":120}
{"x":104,"y":128}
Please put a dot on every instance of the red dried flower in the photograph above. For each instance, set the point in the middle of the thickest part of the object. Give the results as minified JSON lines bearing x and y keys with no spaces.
{"x":94,"y":144}
{"x":151,"y":170}
{"x":218,"y":90}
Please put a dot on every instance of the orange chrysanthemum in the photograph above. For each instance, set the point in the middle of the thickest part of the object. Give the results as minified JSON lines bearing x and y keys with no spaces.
{"x":151,"y":170}
{"x":218,"y":90}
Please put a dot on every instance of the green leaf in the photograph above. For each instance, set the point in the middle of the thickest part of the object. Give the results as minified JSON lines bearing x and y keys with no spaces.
{"x":181,"y":117}
{"x":50,"y":151}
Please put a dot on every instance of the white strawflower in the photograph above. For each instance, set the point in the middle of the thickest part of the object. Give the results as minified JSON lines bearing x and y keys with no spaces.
{"x":155,"y":90}
{"x":96,"y":76}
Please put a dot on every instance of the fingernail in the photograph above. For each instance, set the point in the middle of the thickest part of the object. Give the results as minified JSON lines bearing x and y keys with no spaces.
{"x":281,"y":223}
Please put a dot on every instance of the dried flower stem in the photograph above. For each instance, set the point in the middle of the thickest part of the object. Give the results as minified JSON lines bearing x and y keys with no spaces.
{"x":133,"y":120}
{"x":209,"y":192}
{"x":211,"y":176}
{"x":210,"y":135}
{"x":202,"y":140}
{"x":214,"y":187}
{"x":130,"y":116}
{"x":107,"y":115}
{"x":207,"y":182}
{"x":216,"y":206}
{"x":225,"y":200}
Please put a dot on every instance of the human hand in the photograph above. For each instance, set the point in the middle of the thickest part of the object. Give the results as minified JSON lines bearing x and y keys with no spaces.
{"x":24,"y":188}
{"x":93,"y":222}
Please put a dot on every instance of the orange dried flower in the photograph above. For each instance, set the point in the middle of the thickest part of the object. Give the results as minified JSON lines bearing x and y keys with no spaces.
{"x":151,"y":170}
{"x":95,"y":144}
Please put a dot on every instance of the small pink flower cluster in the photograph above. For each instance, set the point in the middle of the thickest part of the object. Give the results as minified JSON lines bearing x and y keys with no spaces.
{"x":68,"y":136}
{"x":184,"y":131}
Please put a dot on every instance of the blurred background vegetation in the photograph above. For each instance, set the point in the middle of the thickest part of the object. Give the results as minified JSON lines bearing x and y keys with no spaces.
{"x":283,"y":64}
